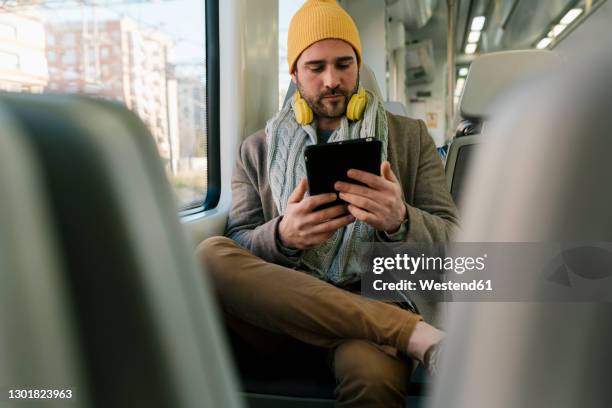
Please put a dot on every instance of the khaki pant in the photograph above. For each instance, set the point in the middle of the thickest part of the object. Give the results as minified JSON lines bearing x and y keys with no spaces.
{"x":364,"y":335}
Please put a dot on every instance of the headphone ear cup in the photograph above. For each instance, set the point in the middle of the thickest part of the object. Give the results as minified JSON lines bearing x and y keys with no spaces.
{"x":303,"y":113}
{"x":356,"y":106}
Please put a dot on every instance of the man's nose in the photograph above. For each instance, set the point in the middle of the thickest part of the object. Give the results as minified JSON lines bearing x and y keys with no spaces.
{"x":331,"y":79}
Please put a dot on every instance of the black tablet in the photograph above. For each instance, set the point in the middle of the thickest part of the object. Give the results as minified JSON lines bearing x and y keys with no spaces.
{"x":327,"y":163}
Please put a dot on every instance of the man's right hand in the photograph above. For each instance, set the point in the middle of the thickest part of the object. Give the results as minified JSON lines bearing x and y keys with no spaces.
{"x":302,"y":227}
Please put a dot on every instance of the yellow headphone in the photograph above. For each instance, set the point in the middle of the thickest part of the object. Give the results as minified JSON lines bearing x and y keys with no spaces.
{"x":354,"y":109}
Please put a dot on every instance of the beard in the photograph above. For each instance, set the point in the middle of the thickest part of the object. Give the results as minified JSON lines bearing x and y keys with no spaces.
{"x":324,"y":107}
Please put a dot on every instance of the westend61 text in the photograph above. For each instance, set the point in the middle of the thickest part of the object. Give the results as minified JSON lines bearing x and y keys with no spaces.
{"x":430,"y":284}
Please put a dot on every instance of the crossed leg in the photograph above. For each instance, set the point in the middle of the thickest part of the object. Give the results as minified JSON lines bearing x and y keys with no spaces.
{"x":367,"y":375}
{"x":285,"y":301}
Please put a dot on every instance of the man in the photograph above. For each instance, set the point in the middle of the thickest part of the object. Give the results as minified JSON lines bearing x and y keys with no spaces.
{"x":287,"y":268}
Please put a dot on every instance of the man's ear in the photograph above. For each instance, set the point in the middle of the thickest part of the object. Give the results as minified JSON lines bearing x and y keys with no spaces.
{"x":293,"y":79}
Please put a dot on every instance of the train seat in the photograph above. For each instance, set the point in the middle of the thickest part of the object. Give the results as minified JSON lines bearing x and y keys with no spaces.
{"x":32,"y":317}
{"x":104,"y":257}
{"x":396,"y":108}
{"x":491,"y":76}
{"x":551,"y":148}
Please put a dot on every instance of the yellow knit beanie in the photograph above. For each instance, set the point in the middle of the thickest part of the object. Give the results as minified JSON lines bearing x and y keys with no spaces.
{"x":318,"y":20}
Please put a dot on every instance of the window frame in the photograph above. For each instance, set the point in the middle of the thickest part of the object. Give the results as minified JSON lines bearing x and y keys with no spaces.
{"x":213,"y":141}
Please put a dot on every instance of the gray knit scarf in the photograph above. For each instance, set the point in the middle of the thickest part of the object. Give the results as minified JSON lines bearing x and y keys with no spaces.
{"x":333,"y":260}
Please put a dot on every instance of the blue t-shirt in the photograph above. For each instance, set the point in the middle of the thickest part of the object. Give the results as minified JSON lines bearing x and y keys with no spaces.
{"x":324,"y":135}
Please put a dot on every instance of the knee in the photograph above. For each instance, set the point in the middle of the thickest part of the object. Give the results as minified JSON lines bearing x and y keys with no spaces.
{"x":368,"y":377}
{"x":212,"y":255}
{"x":211,"y":248}
{"x":224,"y":262}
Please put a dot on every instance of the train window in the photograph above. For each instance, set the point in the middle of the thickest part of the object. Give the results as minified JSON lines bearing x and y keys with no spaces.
{"x":150,"y":56}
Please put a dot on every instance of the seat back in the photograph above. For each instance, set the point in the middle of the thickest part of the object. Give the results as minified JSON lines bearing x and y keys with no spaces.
{"x":396,"y":108}
{"x":141,"y":324}
{"x":491,"y":76}
{"x":37,"y":344}
{"x":551,"y":147}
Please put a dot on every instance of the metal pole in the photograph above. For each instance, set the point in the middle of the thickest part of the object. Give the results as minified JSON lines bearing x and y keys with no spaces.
{"x":450,"y":58}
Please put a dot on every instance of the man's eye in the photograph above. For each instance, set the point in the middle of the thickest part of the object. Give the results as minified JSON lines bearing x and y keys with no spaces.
{"x":317,"y":69}
{"x":343,"y":66}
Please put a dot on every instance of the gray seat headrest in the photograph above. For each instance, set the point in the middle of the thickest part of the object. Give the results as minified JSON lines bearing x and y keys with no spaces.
{"x":396,"y":108}
{"x":492,"y":75}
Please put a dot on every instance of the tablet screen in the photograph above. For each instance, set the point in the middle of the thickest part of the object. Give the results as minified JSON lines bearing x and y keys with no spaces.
{"x":329,"y":162}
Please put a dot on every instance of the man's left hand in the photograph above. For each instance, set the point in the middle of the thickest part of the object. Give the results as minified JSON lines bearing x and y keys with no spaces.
{"x":380,"y":203}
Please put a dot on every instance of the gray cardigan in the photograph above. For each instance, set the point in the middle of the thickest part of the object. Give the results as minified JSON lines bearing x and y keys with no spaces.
{"x":432,"y":216}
